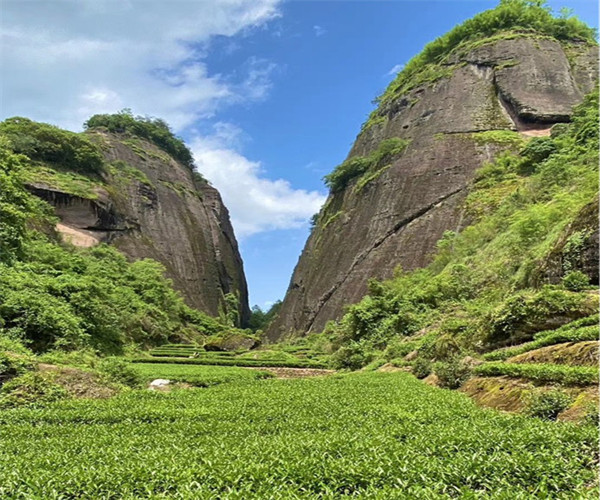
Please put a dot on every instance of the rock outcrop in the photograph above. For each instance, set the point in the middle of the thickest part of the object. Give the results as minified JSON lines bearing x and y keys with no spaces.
{"x":150,"y":206}
{"x":522,"y":83}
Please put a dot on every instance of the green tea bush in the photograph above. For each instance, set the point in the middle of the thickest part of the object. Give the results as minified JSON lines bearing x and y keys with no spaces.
{"x":220,"y":361}
{"x":559,"y":336}
{"x":362,"y":435}
{"x":452,"y":373}
{"x":198,"y":375}
{"x":547,"y":404}
{"x":541,"y":373}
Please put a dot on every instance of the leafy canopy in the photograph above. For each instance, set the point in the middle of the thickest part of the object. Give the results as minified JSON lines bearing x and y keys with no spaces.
{"x":49,"y":144}
{"x":154,"y":130}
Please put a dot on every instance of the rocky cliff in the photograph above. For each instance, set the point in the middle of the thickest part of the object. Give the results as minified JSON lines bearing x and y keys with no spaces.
{"x":149,"y":205}
{"x":482,"y":98}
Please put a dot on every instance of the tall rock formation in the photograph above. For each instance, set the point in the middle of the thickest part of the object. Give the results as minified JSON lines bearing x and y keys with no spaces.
{"x":456,"y":115}
{"x":148,"y":205}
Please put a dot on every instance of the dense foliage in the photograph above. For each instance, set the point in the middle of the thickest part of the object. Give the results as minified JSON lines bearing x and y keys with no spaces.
{"x":49,"y":144}
{"x":361,"y":435}
{"x":154,"y":130}
{"x":481,"y":291}
{"x":52,"y":295}
{"x":510,"y":15}
{"x":259,"y":319}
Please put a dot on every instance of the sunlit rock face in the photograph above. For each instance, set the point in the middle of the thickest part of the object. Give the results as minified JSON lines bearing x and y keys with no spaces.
{"x":163,"y":212}
{"x":524,"y":84}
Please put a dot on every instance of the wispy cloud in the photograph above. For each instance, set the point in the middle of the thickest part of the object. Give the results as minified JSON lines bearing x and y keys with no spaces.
{"x":63,"y":61}
{"x":395,"y":70}
{"x":319,"y":30}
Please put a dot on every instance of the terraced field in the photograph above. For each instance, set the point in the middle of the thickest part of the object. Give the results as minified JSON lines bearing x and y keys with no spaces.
{"x":189,"y":354}
{"x":361,"y":435}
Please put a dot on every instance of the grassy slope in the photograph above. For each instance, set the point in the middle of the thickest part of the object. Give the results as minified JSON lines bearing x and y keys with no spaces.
{"x":369,"y":435}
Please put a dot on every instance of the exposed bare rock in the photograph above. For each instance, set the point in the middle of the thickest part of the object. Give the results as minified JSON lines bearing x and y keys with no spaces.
{"x":151,"y":206}
{"x":524,"y":83}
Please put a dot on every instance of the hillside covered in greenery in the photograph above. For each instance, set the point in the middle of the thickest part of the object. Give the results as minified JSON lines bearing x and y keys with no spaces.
{"x":53,"y":295}
{"x":486,"y":286}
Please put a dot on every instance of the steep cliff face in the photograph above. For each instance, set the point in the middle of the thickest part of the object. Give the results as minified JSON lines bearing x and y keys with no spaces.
{"x":150,"y":206}
{"x":486,"y":97}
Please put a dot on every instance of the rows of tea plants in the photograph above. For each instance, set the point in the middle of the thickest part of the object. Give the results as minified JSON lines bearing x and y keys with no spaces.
{"x":541,"y":372}
{"x":190,"y":354}
{"x":197,"y":375}
{"x":367,"y":435}
{"x":224,"y":361}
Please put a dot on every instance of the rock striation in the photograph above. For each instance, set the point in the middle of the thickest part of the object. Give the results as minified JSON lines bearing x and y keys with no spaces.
{"x":150,"y":206}
{"x":521,"y":84}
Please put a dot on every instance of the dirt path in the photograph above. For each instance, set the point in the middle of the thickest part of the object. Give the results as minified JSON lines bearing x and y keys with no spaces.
{"x":281,"y":372}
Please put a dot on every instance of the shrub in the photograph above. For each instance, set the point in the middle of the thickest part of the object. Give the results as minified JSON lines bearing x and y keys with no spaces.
{"x":576,"y":281}
{"x":421,"y":367}
{"x":536,"y":151}
{"x":547,"y":404}
{"x":351,"y":357}
{"x":120,"y":371}
{"x":154,"y":130}
{"x":50,"y":144}
{"x":30,"y":389}
{"x":452,"y":373}
{"x":527,"y":311}
{"x":359,"y":165}
{"x":15,"y":358}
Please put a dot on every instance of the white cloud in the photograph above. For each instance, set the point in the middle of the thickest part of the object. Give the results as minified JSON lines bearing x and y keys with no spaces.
{"x":65,"y":60}
{"x":255,"y":202}
{"x":319,"y":30}
{"x":395,"y":70}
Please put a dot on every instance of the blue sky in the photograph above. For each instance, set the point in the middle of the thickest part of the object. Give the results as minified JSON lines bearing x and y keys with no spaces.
{"x":332,"y":59}
{"x":269,"y":95}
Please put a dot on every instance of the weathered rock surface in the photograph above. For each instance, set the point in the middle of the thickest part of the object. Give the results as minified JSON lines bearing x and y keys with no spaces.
{"x":523,"y":84}
{"x":151,"y":206}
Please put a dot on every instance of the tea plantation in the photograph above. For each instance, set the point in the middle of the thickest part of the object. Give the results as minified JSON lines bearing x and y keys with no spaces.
{"x":361,"y":435}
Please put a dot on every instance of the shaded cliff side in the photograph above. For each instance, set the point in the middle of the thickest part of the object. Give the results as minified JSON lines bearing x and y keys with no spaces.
{"x":389,"y":207}
{"x":149,"y":205}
